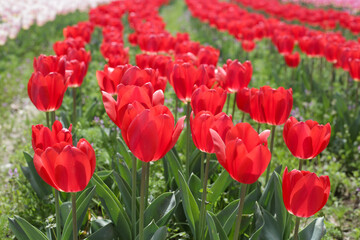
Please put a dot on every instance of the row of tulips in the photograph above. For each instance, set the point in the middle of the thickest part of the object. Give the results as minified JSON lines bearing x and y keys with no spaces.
{"x":148,"y":126}
{"x":326,"y":19}
{"x":251,"y":27}
{"x":347,"y":5}
{"x":18,"y":15}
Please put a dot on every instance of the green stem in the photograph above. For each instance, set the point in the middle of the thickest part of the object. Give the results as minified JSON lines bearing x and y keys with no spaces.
{"x":258,"y":129}
{"x":147,"y":185}
{"x":243,"y":117}
{"x":142,"y":200}
{"x":73,"y":201}
{"x":271,"y":151}
{"x":187,"y":163}
{"x":202,"y":166}
{"x":233,"y":108}
{"x":203,"y":199}
{"x":297,"y":223}
{"x":48,"y":120}
{"x":300,"y":164}
{"x":52,"y":117}
{"x":176,"y":107}
{"x":228,"y":103}
{"x":74,"y":106}
{"x":241,"y":207}
{"x":133,"y":195}
{"x":57,"y":212}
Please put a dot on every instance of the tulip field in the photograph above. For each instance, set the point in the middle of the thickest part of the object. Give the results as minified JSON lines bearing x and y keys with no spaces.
{"x":180,"y":119}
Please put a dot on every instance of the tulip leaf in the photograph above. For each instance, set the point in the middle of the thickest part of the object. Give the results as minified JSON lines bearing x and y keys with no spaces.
{"x":104,"y":174}
{"x":125,"y":191}
{"x":160,"y":234}
{"x":219,"y":186}
{"x":113,"y":207}
{"x":65,"y":209}
{"x":259,"y":222}
{"x":149,"y":231}
{"x":195,"y":186}
{"x":174,"y":164}
{"x":272,"y":201}
{"x":23,"y":230}
{"x":124,"y":151}
{"x":228,"y":215}
{"x":122,"y":169}
{"x":106,"y":232}
{"x":82,"y":204}
{"x":195,"y":159}
{"x":216,"y":231}
{"x":161,"y":209}
{"x":91,"y":111}
{"x":314,"y":231}
{"x":41,"y":188}
{"x":190,"y":206}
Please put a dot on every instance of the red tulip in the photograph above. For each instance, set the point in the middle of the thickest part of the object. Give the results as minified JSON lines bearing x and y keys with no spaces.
{"x":304,"y":193}
{"x":47,"y":92}
{"x":243,"y":98}
{"x":43,"y":137}
{"x":82,"y":29}
{"x":64,"y":167}
{"x":49,"y":64}
{"x":61,"y":47}
{"x":292,"y":60}
{"x":151,"y":134}
{"x":208,"y":55}
{"x":248,"y":46}
{"x":285,"y":44}
{"x":136,"y":76}
{"x":202,"y":123}
{"x":126,"y":95}
{"x":244,"y":153}
{"x":271,"y":106}
{"x":110,"y":78}
{"x":206,"y":99}
{"x":306,"y":140}
{"x":354,"y":65}
{"x":183,"y":78}
{"x":237,"y":75}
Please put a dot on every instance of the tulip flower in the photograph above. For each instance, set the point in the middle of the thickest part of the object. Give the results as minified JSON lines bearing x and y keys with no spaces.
{"x":110,"y":78}
{"x":208,"y":55}
{"x":243,"y":99}
{"x":65,"y":167}
{"x":202,"y":123}
{"x":285,"y":44}
{"x":43,"y":137}
{"x":304,"y":193}
{"x":61,"y":47}
{"x":244,"y":153}
{"x":46,"y":92}
{"x":248,"y":46}
{"x":151,"y":134}
{"x":183,"y":78}
{"x":206,"y":99}
{"x":307,"y":139}
{"x":292,"y":60}
{"x":237,"y":75}
{"x":354,"y":65}
{"x":49,"y":64}
{"x":126,"y":95}
{"x":271,"y":106}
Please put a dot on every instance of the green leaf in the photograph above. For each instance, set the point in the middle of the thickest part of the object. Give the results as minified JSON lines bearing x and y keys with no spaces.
{"x":219,"y":228}
{"x":104,"y":174}
{"x":194,"y":159}
{"x":106,"y":232}
{"x":82,"y":204}
{"x":195,"y":186}
{"x":160,"y":234}
{"x":23,"y":230}
{"x":41,"y":188}
{"x":314,"y":231}
{"x":122,"y":168}
{"x":175,"y":165}
{"x":161,"y":209}
{"x":219,"y":186}
{"x":125,"y":191}
{"x":213,"y":233}
{"x":190,"y":206}
{"x":65,"y":209}
{"x":113,"y":208}
{"x":90,"y":113}
{"x":259,"y":222}
{"x":149,"y":231}
{"x":124,"y":151}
